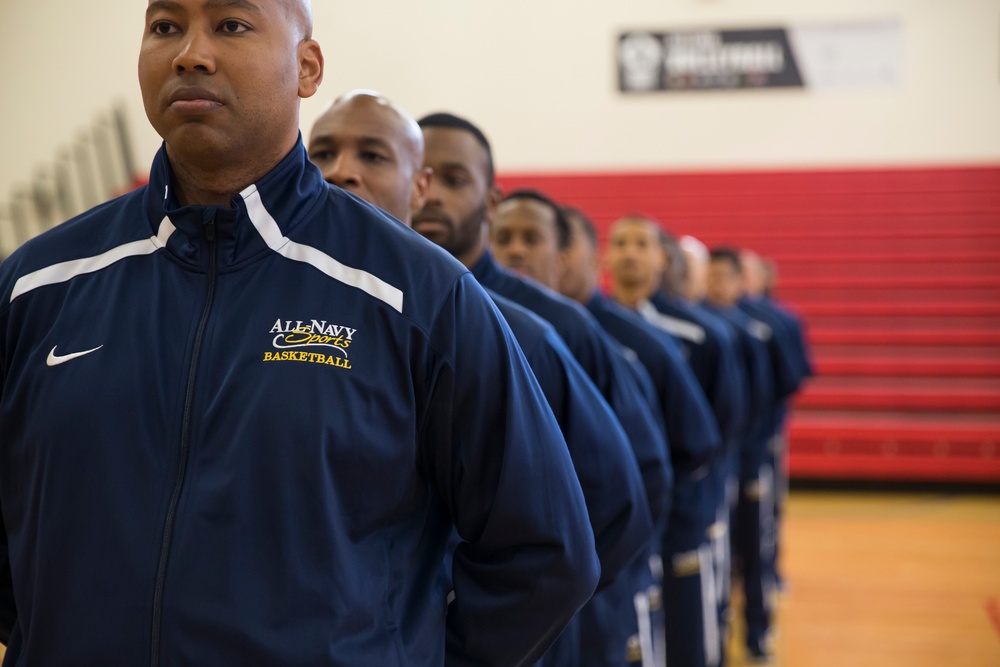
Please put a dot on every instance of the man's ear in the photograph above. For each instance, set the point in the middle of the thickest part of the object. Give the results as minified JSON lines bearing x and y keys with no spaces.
{"x":562,"y":266}
{"x":664,"y":264}
{"x":421,"y":181}
{"x":597,"y":262}
{"x":310,"y":67}
{"x":493,"y":198}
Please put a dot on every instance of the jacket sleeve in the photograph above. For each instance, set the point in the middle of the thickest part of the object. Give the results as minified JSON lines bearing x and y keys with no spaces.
{"x":608,"y":473}
{"x":492,"y":448}
{"x":691,"y":426}
{"x":8,"y":612}
{"x":784,"y":366}
{"x":645,"y":435}
{"x":729,"y":384}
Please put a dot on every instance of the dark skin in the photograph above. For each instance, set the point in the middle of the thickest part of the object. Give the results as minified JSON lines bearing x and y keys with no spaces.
{"x":754,"y":275}
{"x":636,"y":260}
{"x":221,"y":82}
{"x":213,"y":79}
{"x":525,"y":239}
{"x":580,"y":265}
{"x":725,"y":284}
{"x":365,"y":144}
{"x":461,"y":199}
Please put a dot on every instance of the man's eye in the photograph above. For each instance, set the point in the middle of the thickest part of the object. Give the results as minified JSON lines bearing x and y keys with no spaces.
{"x":455,"y":182}
{"x":370,"y":156}
{"x":162,"y":28}
{"x":233,"y":27}
{"x":321,"y":156}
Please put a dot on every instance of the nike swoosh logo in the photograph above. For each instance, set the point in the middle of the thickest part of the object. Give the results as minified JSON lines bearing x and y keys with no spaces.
{"x":55,"y":360}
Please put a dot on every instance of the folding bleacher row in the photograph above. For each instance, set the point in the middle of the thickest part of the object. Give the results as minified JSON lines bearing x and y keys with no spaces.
{"x":896,"y":273}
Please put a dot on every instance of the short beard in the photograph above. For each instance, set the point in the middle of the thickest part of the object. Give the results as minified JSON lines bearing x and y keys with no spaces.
{"x":467,"y":232}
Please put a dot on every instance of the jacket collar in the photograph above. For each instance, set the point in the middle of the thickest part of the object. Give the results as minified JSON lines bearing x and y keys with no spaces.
{"x":287,"y":193}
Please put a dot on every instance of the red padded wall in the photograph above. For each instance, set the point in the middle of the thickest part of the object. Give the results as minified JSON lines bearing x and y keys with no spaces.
{"x":896,"y":273}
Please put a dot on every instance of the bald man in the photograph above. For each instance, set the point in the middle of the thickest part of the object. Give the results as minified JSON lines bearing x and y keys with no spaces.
{"x":696,"y":258}
{"x":597,"y":443}
{"x":253,"y":455}
{"x":368,"y":146}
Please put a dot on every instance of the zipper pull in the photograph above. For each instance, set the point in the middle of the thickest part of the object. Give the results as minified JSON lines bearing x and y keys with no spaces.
{"x":210,"y":229}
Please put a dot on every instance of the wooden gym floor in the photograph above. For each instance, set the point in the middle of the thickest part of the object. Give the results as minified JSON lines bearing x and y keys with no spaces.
{"x":887,"y":580}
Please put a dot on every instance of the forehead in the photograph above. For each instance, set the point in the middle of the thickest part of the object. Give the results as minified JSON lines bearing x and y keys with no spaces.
{"x":526,"y":213}
{"x":448,"y":144}
{"x":255,"y":6}
{"x":751,"y":264}
{"x":357,"y":120}
{"x":693,"y":257}
{"x":722,"y":265}
{"x":633,"y":229}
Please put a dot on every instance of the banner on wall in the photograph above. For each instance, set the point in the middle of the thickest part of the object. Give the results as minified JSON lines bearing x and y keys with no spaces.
{"x":854,"y":55}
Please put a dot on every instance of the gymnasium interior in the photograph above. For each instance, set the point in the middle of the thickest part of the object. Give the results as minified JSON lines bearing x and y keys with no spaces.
{"x":862,"y":157}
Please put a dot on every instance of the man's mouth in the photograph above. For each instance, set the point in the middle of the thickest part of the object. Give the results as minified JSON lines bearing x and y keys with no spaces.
{"x":197,"y":100}
{"x":430,"y":223}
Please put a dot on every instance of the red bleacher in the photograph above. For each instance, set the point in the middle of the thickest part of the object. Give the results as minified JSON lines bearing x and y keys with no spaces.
{"x":896,"y":273}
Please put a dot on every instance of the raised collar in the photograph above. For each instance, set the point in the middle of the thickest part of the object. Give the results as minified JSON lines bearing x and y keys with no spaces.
{"x":486,"y":268}
{"x":286,"y":193}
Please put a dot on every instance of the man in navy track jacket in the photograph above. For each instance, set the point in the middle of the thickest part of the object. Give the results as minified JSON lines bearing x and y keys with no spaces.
{"x":638,"y":264}
{"x":528,"y":236}
{"x":694,"y":437}
{"x":243,"y":411}
{"x":462,"y":201}
{"x":368,"y":145}
{"x":753,"y":522}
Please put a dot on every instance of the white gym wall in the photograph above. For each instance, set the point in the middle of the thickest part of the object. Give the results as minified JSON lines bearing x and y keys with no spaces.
{"x":539,"y":76}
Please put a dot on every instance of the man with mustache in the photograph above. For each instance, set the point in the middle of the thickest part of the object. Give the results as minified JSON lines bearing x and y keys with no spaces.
{"x":461,"y":202}
{"x":243,"y":412}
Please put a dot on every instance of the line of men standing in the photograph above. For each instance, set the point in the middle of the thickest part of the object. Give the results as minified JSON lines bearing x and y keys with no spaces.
{"x":671,"y":392}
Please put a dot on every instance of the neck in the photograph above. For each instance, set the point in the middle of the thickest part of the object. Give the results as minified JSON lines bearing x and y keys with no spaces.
{"x":584,"y":294}
{"x":630,"y":296}
{"x":470,"y":257}
{"x":215,"y":180}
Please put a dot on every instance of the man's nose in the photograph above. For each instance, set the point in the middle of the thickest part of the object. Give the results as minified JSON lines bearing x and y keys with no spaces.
{"x":342,"y":172}
{"x":632,"y":252}
{"x":516,"y":247}
{"x":433,"y":193}
{"x":197,"y":54}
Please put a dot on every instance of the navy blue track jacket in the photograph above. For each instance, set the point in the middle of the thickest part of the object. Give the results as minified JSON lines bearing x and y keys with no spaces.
{"x":596,"y":354}
{"x":243,"y":436}
{"x":692,"y":432}
{"x":785,"y":365}
{"x":711,"y":351}
{"x":608,"y":474}
{"x":610,"y":478}
{"x":789,"y":330}
{"x":762,"y":404}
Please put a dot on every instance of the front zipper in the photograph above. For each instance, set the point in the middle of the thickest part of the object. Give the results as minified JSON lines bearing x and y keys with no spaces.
{"x":168,"y":524}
